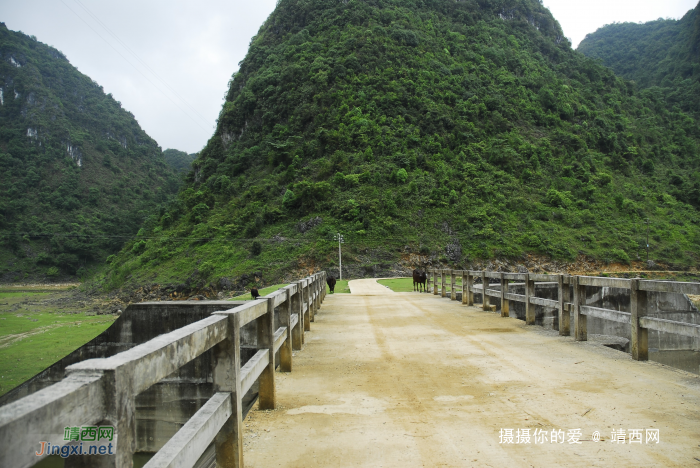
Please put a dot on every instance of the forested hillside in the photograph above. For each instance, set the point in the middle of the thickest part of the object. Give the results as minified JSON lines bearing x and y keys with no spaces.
{"x":664,"y":54}
{"x":179,"y":160}
{"x":78,"y":176}
{"x":459,"y":131}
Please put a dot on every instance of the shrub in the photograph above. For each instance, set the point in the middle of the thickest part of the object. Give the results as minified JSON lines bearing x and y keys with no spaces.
{"x":199,"y":212}
{"x":288,"y":197}
{"x":206,"y":269}
{"x":52,"y":272}
{"x":402,"y":175}
{"x":256,"y":248}
{"x":139,"y":247}
{"x":620,"y":256}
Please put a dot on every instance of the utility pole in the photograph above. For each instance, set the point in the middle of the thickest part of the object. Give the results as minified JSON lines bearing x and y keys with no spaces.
{"x":647,"y":221}
{"x":339,"y":237}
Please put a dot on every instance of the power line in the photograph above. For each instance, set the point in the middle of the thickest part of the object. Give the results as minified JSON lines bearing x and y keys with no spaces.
{"x":226,"y":239}
{"x":139,"y":71}
{"x":165,"y":83}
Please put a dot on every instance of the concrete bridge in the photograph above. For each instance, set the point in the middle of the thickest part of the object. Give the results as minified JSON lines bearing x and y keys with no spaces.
{"x":394,"y":379}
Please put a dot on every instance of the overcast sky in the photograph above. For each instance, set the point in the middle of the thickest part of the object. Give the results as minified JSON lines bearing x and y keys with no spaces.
{"x":185,"y":52}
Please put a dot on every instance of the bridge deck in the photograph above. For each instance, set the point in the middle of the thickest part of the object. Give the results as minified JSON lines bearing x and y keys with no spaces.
{"x":412,"y":380}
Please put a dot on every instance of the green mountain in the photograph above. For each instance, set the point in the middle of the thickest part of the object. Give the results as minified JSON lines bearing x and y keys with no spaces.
{"x":664,"y":54}
{"x":179,"y":161}
{"x":456,"y":132}
{"x":78,"y":176}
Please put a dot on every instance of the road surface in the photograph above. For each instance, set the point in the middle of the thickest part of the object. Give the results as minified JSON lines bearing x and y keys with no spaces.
{"x":413,"y":380}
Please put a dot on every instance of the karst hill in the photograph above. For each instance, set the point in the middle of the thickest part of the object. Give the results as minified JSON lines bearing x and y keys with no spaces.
{"x":662,"y":54}
{"x":440,"y":132}
{"x":78,"y":175}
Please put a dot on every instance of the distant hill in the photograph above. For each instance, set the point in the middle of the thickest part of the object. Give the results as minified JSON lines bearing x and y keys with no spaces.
{"x":661,"y":53}
{"x":427,"y":132}
{"x":179,"y":161}
{"x":78,"y":176}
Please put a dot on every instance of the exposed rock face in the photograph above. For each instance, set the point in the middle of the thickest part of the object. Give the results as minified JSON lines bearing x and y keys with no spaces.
{"x":304,"y":226}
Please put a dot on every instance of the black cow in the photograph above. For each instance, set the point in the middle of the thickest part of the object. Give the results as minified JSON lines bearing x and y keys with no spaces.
{"x":331,"y":283}
{"x":254,"y":292}
{"x":419,"y":278}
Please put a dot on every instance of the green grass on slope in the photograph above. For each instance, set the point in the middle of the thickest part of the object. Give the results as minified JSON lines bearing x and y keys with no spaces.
{"x":263,"y":292}
{"x":341,"y":286}
{"x":406,"y":284}
{"x":30,"y":340}
{"x":398,"y":284}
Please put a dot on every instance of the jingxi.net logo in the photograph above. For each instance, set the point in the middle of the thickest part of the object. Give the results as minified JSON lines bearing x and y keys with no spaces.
{"x":85,"y":440}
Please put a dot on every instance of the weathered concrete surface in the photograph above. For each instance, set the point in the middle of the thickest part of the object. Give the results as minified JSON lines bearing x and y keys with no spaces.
{"x":412,"y":380}
{"x":165,"y":407}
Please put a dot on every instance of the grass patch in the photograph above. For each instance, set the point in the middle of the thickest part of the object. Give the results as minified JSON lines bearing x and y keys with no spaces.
{"x":29,"y":343}
{"x":36,"y":331}
{"x":398,"y":284}
{"x":15,"y":294}
{"x":263,"y":292}
{"x":341,"y":287}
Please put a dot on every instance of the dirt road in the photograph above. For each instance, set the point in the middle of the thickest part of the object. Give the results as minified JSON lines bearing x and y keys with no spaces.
{"x":412,"y":380}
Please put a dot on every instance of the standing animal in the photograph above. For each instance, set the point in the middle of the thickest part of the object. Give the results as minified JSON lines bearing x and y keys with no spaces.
{"x":254,"y":292}
{"x":419,"y":278}
{"x":331,"y":283}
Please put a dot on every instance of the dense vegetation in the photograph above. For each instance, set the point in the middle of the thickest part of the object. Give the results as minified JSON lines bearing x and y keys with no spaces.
{"x":465,"y":130}
{"x":661,"y":54}
{"x":179,"y":160}
{"x":78,"y":176}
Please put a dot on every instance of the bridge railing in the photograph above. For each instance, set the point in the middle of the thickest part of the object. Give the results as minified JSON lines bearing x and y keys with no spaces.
{"x":103,"y":391}
{"x":571,"y":309}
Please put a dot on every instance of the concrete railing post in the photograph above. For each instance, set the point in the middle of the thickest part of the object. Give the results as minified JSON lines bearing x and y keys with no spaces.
{"x":443,"y":284}
{"x":529,"y":308}
{"x":505,"y":303}
{"x":564,"y":315}
{"x":639,"y":345}
{"x":298,"y":331}
{"x":266,"y":334}
{"x":312,"y":300}
{"x":470,"y":288}
{"x":453,"y":287}
{"x":120,"y":412}
{"x":305,"y":301}
{"x":465,"y":287}
{"x":485,"y":302}
{"x":435,"y":283}
{"x":317,"y":291}
{"x":226,"y":376}
{"x":286,"y":321}
{"x":580,"y":320}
